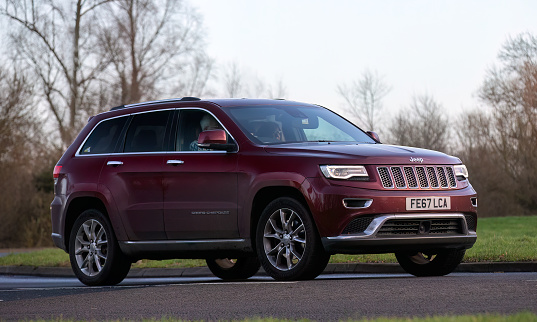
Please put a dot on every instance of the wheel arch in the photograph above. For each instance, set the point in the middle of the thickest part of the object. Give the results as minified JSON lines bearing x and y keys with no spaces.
{"x":266,"y":195}
{"x":76,"y":207}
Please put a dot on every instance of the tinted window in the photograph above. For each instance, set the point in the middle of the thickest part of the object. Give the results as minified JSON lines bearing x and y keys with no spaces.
{"x":146,"y":132}
{"x":282,"y":124}
{"x":191,"y":123}
{"x":104,"y":138}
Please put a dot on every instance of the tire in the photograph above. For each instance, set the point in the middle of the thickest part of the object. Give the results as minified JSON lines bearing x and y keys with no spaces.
{"x":233,"y":269}
{"x":430,"y":264}
{"x":94,"y":252}
{"x":287,"y":242}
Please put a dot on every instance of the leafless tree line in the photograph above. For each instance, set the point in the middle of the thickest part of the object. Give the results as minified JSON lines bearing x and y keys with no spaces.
{"x":88,"y":54}
{"x":497,"y":141}
{"x":239,"y":82}
{"x":67,"y":60}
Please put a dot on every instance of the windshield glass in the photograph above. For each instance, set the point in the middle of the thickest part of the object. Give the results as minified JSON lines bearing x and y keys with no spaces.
{"x":286,"y":124}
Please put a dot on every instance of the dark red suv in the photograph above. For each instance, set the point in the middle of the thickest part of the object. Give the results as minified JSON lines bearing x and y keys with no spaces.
{"x":244,"y":183}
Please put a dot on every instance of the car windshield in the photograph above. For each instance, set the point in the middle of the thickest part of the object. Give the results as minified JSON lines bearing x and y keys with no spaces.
{"x":289,"y":124}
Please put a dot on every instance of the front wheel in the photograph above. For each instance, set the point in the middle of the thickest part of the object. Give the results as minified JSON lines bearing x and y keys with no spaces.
{"x":94,"y":252}
{"x":437,"y":263}
{"x":233,"y":269}
{"x":287,"y":242}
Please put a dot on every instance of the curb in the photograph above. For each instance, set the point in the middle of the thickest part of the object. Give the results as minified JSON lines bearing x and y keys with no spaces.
{"x":347,"y":268}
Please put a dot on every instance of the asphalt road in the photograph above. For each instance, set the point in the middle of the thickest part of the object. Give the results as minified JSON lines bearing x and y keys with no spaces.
{"x":329,"y":297}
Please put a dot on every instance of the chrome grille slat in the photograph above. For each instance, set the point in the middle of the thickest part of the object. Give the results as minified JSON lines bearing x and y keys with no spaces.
{"x":410,"y":177}
{"x":417,"y":177}
{"x":398,"y":177}
{"x":451,"y":176}
{"x":424,"y":183}
{"x":442,"y":177}
{"x":433,"y":180}
{"x":385,"y":177}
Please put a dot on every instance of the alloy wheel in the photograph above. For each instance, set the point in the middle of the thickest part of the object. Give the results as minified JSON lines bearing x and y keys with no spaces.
{"x":284,"y":239}
{"x":91,"y":247}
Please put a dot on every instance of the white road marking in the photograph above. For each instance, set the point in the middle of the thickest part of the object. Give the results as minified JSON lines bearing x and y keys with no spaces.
{"x":242,"y":283}
{"x":141,"y":285}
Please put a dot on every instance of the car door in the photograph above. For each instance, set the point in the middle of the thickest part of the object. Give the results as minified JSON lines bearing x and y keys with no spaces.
{"x":133,"y":175}
{"x":200,"y":186}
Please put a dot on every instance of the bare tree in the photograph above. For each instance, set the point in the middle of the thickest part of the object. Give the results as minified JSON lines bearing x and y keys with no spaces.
{"x":278,"y":90}
{"x":496,"y":189}
{"x":364,"y":98}
{"x":510,"y":89}
{"x":239,"y":82}
{"x":233,"y":80}
{"x":155,"y":47}
{"x":55,"y":39}
{"x":19,"y":153}
{"x":423,"y":125}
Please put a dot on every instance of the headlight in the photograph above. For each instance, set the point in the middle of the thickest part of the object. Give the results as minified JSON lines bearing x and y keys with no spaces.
{"x":353,"y":172}
{"x":460,"y":171}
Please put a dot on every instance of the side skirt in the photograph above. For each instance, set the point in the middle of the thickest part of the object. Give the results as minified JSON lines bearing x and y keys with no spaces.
{"x":170,"y":249}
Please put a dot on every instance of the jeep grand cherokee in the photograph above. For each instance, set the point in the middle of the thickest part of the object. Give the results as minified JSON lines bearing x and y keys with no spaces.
{"x":243,"y":183}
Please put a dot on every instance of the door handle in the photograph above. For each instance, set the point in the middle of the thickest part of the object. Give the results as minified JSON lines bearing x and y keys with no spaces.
{"x":175,"y":162}
{"x":114,"y":163}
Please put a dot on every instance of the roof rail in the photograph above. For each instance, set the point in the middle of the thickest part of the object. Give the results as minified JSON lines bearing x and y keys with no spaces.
{"x":184,"y":99}
{"x":117,"y":107}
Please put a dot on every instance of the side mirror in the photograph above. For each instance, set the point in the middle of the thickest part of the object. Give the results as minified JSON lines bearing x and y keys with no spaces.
{"x":215,"y":140}
{"x":373,"y":135}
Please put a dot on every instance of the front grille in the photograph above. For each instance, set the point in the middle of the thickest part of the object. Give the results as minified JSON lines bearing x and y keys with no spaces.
{"x":417,"y":177}
{"x":398,"y":227}
{"x":358,"y":225}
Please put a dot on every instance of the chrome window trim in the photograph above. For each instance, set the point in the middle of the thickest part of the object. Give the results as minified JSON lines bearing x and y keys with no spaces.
{"x":77,"y":154}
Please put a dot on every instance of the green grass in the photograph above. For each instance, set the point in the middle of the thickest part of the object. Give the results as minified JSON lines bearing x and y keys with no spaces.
{"x":49,"y":257}
{"x":55,"y":257}
{"x":505,"y":239}
{"x":518,"y":317}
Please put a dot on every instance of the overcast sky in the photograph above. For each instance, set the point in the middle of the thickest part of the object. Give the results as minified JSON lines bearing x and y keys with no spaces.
{"x":442,"y":48}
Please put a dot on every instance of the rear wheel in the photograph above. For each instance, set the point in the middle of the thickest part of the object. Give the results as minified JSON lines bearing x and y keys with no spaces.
{"x":287,"y":242}
{"x":430,"y":263}
{"x":233,"y":269}
{"x":94,"y":252}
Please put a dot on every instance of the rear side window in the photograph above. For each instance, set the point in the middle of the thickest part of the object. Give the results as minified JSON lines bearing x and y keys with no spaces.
{"x":147,"y":132}
{"x":104,"y":137}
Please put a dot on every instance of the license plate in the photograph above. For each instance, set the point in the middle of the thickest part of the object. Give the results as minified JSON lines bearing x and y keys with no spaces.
{"x":428,"y":203}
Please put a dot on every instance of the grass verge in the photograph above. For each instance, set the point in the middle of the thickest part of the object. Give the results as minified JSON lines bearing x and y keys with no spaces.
{"x":503,"y":239}
{"x":517,"y":317}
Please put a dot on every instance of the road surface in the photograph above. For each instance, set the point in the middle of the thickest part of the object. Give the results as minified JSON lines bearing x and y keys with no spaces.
{"x":329,"y":297}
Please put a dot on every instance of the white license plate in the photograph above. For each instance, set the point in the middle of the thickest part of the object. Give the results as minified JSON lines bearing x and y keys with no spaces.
{"x":428,"y":203}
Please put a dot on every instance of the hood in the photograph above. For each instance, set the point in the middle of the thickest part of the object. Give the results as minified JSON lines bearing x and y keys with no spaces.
{"x":363,"y":153}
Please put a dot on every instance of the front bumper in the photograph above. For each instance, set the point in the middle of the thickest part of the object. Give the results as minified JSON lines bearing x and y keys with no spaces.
{"x":371,"y":241}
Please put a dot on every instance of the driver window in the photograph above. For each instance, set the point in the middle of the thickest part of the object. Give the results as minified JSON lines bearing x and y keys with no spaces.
{"x":191,"y":124}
